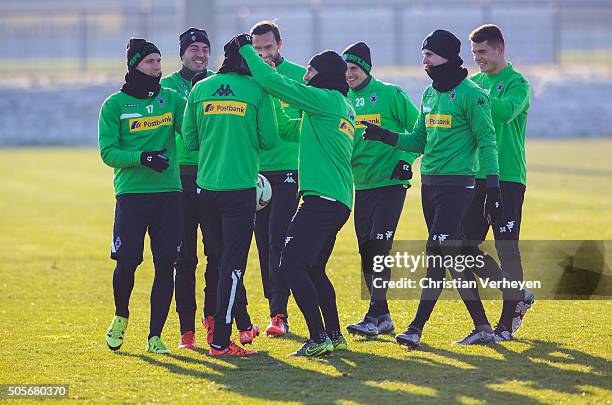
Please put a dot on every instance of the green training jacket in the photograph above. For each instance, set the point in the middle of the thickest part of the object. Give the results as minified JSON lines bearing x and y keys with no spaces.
{"x":177,"y":82}
{"x":326,"y":135}
{"x":449,"y":131}
{"x":509,"y":92}
{"x":229,"y":119}
{"x":385,"y":105}
{"x":285,"y":155}
{"x":127,"y":126}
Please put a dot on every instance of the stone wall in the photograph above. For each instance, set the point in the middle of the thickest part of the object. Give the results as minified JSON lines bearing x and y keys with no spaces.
{"x":562,"y":106}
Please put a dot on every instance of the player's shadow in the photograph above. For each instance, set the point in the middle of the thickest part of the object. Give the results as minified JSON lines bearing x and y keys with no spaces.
{"x":431,"y":374}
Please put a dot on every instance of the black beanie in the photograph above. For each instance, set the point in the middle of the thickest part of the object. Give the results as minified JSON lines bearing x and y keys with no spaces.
{"x":190,"y":36}
{"x":233,"y":61}
{"x":359,"y":54}
{"x":137,"y":50}
{"x":331,"y":70}
{"x":329,"y":63}
{"x":445,"y":44}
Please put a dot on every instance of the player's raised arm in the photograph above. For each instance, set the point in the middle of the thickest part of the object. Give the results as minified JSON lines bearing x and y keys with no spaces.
{"x":296,"y":94}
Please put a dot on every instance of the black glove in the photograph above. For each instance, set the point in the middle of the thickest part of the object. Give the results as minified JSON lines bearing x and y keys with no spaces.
{"x":493,"y":208}
{"x":402,"y":171}
{"x":155,"y":160}
{"x":243,"y":39}
{"x":376,"y":133}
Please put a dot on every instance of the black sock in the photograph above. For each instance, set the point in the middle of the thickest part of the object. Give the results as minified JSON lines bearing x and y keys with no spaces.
{"x":187,"y":321}
{"x":320,"y":338}
{"x":335,"y":335}
{"x":161,"y":296}
{"x":429,"y":297}
{"x":123,"y":284}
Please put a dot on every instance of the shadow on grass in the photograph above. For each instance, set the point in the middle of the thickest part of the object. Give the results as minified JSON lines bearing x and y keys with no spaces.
{"x":431,"y":374}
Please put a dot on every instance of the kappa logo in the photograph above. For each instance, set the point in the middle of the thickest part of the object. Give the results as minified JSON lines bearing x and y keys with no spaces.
{"x":287,"y":240}
{"x":439,"y":121}
{"x":453,"y":96}
{"x":146,"y":123}
{"x":223,"y":90}
{"x":371,"y":118}
{"x":224,"y":107}
{"x":500,"y":86}
{"x":161,"y":101}
{"x":389,"y":235}
{"x":481,"y":101}
{"x":289,"y":178}
{"x":373,"y":98}
{"x":346,"y":128}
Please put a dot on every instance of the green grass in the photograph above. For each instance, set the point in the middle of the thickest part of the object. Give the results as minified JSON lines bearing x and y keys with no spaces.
{"x":56,"y":303}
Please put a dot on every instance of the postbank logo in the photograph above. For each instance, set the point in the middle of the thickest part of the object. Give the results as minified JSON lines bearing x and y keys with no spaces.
{"x":224,"y":107}
{"x":346,"y":127}
{"x":439,"y":121}
{"x":371,"y":118}
{"x":147,"y":123}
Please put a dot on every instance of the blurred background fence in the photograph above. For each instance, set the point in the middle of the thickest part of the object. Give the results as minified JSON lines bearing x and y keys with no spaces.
{"x":91,"y":35}
{"x":565,"y":47}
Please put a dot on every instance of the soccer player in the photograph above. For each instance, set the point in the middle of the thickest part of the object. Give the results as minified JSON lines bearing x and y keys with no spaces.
{"x":382,"y":175}
{"x":326,"y":186}
{"x":194,"y":50}
{"x":136,"y":133}
{"x":279,"y":166}
{"x":229,"y":119}
{"x":453,"y":124}
{"x":509,"y":94}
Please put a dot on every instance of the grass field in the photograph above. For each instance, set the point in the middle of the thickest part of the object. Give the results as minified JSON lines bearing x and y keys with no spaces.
{"x":56,"y":303}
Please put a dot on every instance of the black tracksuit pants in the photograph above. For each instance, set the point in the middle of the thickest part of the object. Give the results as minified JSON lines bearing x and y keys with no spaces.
{"x":444,"y":208}
{"x":507,"y":235}
{"x":271,"y":225}
{"x":187,"y":260}
{"x":228,"y":225}
{"x":161,"y":214}
{"x":376,"y":215}
{"x":308,"y":245}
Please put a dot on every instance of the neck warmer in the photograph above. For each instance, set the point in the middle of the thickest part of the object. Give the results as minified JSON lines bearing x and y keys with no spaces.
{"x":278,"y":60}
{"x":364,"y":83}
{"x":140,"y":85}
{"x":330,"y":82}
{"x":235,"y":64}
{"x":188,"y":74}
{"x":446,"y":76}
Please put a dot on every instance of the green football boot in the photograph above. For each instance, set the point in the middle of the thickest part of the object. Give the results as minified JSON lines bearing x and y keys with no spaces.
{"x":340,"y":343}
{"x":310,"y":348}
{"x":155,"y":345}
{"x":114,"y":334}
